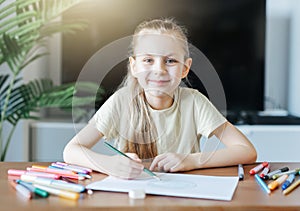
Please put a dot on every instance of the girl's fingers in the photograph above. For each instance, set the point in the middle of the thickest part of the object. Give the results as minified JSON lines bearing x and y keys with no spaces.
{"x":134,"y":156}
{"x":129,"y":172}
{"x":169,"y":162}
{"x":164,"y":164}
{"x":124,"y":167}
{"x":156,"y":160}
{"x":175,"y":167}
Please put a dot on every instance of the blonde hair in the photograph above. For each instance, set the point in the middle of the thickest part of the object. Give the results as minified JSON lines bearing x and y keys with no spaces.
{"x":143,"y":135}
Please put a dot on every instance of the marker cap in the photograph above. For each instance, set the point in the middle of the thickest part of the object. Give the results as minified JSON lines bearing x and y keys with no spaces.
{"x":41,"y":193}
{"x":258,"y":168}
{"x":273,"y":185}
{"x":284,"y":169}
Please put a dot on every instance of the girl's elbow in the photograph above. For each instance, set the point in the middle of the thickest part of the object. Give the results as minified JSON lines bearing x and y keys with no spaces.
{"x":252,"y":156}
{"x":67,"y":154}
{"x":248,"y":155}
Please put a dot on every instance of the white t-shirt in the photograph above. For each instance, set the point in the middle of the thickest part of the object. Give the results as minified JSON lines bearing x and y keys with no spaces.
{"x":179,"y":127}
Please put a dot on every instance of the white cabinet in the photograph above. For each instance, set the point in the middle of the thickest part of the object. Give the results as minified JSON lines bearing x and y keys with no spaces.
{"x":272,"y":142}
{"x":276,"y":143}
{"x":48,"y":139}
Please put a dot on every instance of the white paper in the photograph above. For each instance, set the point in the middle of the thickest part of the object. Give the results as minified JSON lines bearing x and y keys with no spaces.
{"x":181,"y":185}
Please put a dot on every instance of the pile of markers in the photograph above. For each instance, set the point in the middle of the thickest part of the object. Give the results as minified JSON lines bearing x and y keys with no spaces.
{"x":283,"y":178}
{"x":57,"y":179}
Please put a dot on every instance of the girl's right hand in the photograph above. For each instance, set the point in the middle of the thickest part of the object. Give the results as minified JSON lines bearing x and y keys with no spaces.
{"x":123,"y":167}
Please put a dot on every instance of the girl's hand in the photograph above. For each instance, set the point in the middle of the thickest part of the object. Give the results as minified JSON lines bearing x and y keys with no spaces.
{"x":173,"y":162}
{"x":134,"y":156}
{"x":123,"y":167}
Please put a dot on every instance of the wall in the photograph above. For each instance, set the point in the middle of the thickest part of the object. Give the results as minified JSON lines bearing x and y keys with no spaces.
{"x":279,"y":53}
{"x":294,"y":76}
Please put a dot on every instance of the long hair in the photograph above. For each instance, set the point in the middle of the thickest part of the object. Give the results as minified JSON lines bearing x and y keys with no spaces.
{"x":143,"y":135}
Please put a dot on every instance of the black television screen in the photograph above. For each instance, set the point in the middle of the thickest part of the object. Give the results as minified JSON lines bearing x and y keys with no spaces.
{"x":230,"y":33}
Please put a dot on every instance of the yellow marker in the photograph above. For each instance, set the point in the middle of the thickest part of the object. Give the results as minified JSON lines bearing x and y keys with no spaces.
{"x":291,"y":187}
{"x":273,"y":185}
{"x":60,"y":193}
{"x":39,"y":167}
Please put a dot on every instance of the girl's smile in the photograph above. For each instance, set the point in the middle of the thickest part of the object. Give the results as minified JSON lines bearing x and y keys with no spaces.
{"x":158,"y":83}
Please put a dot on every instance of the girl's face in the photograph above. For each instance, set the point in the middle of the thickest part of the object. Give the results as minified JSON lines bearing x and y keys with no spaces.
{"x":159,"y":63}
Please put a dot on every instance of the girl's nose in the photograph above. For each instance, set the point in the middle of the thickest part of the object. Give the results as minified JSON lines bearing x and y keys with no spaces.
{"x":159,"y":67}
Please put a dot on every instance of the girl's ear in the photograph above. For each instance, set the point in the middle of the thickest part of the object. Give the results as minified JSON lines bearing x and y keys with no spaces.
{"x":132,"y":65}
{"x":186,"y":67}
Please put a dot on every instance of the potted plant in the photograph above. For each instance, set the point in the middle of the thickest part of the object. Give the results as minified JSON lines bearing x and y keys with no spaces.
{"x":25,"y":25}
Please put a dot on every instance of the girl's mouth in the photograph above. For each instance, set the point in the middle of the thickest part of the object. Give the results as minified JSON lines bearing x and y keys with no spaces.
{"x":158,"y":82}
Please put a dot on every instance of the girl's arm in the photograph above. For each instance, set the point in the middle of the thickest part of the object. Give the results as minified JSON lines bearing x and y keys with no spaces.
{"x":78,"y":151}
{"x":238,"y":150}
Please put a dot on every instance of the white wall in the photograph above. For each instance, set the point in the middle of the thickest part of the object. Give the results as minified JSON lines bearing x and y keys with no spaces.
{"x":280,"y":48}
{"x":294,"y":76}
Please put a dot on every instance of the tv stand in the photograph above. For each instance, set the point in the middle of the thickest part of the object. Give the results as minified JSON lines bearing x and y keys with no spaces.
{"x":254,"y":118}
{"x":48,"y":138}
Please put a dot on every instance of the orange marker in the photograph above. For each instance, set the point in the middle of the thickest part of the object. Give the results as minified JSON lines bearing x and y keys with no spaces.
{"x":273,"y":185}
{"x":50,"y":170}
{"x":258,"y":168}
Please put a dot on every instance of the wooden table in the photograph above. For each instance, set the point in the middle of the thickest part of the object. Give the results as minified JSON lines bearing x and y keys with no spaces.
{"x":248,"y":195}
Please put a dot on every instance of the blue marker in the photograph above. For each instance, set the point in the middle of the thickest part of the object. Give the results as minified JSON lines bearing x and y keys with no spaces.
{"x":262,"y":183}
{"x":33,"y":189}
{"x":288,"y":181}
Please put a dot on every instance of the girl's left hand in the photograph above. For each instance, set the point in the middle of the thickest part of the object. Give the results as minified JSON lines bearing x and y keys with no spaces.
{"x":172,"y":162}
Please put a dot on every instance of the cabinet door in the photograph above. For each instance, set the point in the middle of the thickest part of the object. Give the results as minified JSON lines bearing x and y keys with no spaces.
{"x":48,"y":140}
{"x":274,"y":143}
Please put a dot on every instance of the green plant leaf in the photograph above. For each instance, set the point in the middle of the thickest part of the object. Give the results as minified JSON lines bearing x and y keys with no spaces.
{"x":10,"y":24}
{"x":42,"y":93}
{"x":10,"y":51}
{"x":25,"y":26}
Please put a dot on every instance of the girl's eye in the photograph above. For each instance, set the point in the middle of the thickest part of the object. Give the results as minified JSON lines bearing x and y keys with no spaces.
{"x":148,"y":60}
{"x":171,"y":61}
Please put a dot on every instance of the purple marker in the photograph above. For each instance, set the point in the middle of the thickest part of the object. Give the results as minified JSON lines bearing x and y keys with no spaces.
{"x":67,"y":167}
{"x":75,"y":166}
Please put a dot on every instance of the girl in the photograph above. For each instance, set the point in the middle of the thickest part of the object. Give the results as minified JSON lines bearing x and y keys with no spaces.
{"x":151,"y":118}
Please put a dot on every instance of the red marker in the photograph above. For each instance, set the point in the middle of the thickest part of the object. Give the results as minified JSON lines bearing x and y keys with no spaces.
{"x":258,"y":168}
{"x":265,"y":171}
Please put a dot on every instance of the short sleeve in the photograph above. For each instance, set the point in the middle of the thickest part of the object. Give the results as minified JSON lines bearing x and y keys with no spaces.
{"x":103,"y":118}
{"x":208,"y":118}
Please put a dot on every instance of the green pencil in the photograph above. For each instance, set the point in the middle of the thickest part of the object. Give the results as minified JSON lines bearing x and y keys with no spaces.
{"x":121,"y":153}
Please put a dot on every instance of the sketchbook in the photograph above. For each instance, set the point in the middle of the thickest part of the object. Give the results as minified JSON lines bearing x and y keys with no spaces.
{"x":180,"y":185}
